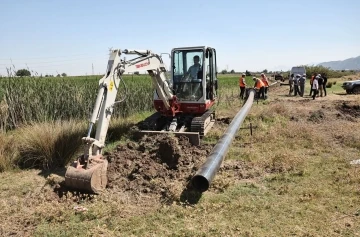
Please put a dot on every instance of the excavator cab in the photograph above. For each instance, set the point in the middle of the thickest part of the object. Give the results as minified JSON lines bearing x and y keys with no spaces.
{"x":194,"y":74}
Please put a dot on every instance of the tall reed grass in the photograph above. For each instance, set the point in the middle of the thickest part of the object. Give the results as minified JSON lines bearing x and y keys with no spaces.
{"x":40,"y":99}
{"x":49,"y":144}
{"x":26,"y":100}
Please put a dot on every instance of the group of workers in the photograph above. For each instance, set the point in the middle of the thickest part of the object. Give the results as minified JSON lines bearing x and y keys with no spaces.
{"x":261,"y":86}
{"x":297,"y":84}
{"x":317,"y":84}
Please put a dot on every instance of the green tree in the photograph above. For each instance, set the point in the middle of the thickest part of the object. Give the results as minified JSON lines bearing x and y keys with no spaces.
{"x":247,"y":73}
{"x":265,"y":71}
{"x":223,"y":71}
{"x":232,"y":71}
{"x":23,"y":73}
{"x":63,"y":74}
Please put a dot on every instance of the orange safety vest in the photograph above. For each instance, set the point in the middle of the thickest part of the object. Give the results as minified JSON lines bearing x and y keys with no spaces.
{"x":241,"y":82}
{"x":312,"y":79}
{"x":265,"y":81}
{"x":259,"y":83}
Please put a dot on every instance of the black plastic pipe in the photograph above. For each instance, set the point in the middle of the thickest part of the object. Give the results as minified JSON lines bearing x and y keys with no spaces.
{"x":204,"y":176}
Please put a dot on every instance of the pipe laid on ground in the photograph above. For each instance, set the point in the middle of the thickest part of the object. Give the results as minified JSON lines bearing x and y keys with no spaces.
{"x":204,"y":176}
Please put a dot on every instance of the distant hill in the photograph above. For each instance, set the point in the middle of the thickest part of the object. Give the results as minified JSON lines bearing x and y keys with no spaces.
{"x":350,"y":64}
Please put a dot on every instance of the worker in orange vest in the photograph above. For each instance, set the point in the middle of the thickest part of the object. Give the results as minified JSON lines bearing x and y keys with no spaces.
{"x":242,"y":85}
{"x":259,"y":87}
{"x":265,"y":80}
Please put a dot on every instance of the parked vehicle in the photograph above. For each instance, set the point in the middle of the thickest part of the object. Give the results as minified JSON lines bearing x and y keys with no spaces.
{"x":278,"y":77}
{"x":298,"y":70}
{"x":351,"y":87}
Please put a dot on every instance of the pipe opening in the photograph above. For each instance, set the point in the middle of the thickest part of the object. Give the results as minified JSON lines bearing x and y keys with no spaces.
{"x":200,"y":183}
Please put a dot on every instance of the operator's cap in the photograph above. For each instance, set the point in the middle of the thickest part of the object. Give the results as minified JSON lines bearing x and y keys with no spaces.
{"x":254,"y":78}
{"x":243,"y":74}
{"x":304,"y":74}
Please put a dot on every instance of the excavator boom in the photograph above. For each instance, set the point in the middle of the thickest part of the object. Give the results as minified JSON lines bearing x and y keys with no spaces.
{"x":88,"y":173}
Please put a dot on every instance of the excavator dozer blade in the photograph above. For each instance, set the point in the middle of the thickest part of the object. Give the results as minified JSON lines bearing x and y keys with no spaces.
{"x":194,"y":137}
{"x":93,"y":179}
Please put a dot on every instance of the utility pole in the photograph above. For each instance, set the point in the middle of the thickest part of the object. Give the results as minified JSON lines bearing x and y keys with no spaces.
{"x":92,"y":65}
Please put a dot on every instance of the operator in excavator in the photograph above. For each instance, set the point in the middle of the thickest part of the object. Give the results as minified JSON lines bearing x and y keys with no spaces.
{"x":194,"y":74}
{"x":194,"y":69}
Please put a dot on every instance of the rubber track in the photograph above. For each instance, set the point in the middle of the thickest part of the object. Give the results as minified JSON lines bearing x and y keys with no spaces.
{"x":198,"y":123}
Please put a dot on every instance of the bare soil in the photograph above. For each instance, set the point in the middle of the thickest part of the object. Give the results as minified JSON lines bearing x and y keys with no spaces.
{"x":153,"y":171}
{"x":349,"y":108}
{"x":160,"y":165}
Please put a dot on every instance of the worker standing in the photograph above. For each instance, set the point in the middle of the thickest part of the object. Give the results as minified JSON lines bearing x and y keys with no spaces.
{"x":315,"y":87}
{"x":324,"y":83}
{"x":266,"y":83}
{"x":321,"y":84}
{"x":291,"y":84}
{"x":302,"y":81}
{"x":311,"y":82}
{"x":296,"y":85}
{"x":259,"y":87}
{"x":242,"y":85}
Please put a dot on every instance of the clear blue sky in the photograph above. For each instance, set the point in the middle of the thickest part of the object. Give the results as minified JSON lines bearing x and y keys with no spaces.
{"x":69,"y":36}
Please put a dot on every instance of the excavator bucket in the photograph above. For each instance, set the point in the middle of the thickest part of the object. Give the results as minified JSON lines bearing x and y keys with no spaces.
{"x":91,"y":179}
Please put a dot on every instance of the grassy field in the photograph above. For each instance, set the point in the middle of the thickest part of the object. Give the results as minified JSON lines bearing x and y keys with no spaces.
{"x":292,"y":177}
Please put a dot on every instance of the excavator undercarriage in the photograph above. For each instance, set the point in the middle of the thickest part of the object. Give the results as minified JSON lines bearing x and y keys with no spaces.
{"x":192,"y":127}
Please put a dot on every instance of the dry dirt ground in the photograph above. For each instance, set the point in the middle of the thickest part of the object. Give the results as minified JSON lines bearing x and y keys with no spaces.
{"x":147,"y":174}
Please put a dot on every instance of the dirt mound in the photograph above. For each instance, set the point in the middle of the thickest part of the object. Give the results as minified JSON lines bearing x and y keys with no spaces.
{"x":349,"y":108}
{"x":161,"y":165}
{"x":155,"y":169}
{"x":316,"y":116}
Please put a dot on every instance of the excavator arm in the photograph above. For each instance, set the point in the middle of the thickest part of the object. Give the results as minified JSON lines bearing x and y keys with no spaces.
{"x":153,"y":64}
{"x":89,"y":171}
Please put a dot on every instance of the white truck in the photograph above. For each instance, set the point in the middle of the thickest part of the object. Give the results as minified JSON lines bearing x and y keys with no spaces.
{"x":297,"y":70}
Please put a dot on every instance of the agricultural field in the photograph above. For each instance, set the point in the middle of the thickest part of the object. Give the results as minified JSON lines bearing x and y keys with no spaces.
{"x":292,"y":177}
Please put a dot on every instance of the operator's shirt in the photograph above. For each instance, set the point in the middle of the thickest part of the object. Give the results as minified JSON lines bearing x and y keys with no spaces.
{"x":193,"y":70}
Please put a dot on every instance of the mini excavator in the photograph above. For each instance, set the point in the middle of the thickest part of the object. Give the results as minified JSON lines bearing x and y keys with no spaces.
{"x":183,"y":105}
